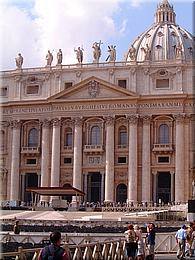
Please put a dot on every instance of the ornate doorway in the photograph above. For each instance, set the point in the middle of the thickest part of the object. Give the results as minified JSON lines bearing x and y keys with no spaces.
{"x":94,"y":187}
{"x":164,"y":187}
{"x":31,"y":180}
{"x":121,"y":193}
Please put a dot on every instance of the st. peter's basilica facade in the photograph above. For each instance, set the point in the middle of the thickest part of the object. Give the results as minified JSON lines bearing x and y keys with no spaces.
{"x":119,"y":131}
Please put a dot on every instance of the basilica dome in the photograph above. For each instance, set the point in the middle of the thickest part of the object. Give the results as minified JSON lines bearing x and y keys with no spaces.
{"x":164,"y":40}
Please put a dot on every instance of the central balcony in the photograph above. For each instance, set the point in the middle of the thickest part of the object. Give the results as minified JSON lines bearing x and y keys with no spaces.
{"x":30,"y":150}
{"x":93,"y":148}
{"x":162,"y":148}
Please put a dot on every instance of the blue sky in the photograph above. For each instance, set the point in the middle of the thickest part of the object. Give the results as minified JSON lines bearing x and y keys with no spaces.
{"x":33,"y":27}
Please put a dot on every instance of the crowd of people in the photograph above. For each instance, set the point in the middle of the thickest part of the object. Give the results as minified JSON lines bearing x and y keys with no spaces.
{"x":135,"y":246}
{"x":185,"y":238}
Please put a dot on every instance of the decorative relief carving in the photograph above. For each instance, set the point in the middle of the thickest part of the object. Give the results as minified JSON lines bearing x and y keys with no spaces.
{"x":94,"y":159}
{"x":56,"y":122}
{"x":111,"y":72}
{"x":93,"y":88}
{"x":133,"y":119}
{"x":16,"y":124}
{"x":78,"y":74}
{"x":109,"y":120}
{"x":132,"y":71}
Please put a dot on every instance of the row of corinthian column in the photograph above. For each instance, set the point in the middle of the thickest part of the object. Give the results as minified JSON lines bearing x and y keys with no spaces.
{"x":53,"y":179}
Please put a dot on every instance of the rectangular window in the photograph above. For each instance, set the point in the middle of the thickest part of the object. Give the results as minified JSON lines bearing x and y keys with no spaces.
{"x":162,"y":83}
{"x":122,"y":159}
{"x":67,"y":160}
{"x":3,"y":92}
{"x":31,"y":161}
{"x":122,"y":83}
{"x":32,"y":89}
{"x":163,"y":159}
{"x":68,"y":84}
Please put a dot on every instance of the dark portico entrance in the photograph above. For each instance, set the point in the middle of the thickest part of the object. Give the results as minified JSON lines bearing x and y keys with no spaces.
{"x":164,"y":187}
{"x":121,"y":193}
{"x":94,"y":187}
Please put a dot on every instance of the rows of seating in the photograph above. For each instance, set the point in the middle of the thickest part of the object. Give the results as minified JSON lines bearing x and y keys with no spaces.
{"x":67,"y":228}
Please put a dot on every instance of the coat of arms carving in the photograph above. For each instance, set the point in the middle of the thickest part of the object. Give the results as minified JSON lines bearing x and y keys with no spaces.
{"x":93,"y":88}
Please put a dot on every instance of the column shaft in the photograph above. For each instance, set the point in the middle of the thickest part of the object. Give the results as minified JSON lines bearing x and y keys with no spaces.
{"x":15,"y":161}
{"x":77,"y":164}
{"x":146,"y":175}
{"x":45,"y":180}
{"x":109,"y":177}
{"x":55,"y":159}
{"x":179,"y":160}
{"x":132,"y":171}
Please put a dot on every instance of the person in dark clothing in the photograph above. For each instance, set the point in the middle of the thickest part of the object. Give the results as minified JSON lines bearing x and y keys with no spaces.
{"x":17,"y":227}
{"x":151,"y":233}
{"x":54,"y":251}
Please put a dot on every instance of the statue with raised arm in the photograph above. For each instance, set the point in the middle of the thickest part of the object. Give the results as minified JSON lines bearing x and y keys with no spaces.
{"x":132,"y":52}
{"x":19,"y":61}
{"x":112,"y":54}
{"x":79,"y":54}
{"x":96,"y":51}
{"x":49,"y":58}
{"x":59,"y":57}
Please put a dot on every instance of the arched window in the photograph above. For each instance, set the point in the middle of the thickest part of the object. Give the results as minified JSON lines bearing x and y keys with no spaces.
{"x":163,"y":134}
{"x":33,"y":138}
{"x":2,"y":139}
{"x":122,"y":135}
{"x":95,"y":136}
{"x":68,"y":137}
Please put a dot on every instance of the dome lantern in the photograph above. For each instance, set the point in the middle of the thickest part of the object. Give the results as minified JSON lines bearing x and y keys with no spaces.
{"x":165,"y":13}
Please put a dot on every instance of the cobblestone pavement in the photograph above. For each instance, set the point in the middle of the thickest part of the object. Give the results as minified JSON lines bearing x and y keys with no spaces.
{"x":170,"y":257}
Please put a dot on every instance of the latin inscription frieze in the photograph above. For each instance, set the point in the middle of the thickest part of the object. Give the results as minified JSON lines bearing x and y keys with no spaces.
{"x":105,"y":107}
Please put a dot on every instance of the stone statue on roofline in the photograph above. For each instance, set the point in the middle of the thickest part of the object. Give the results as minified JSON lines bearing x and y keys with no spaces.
{"x":79,"y":54}
{"x":59,"y":57}
{"x":96,"y":51}
{"x":112,"y":54}
{"x":131,"y":53}
{"x":19,"y":61}
{"x":49,"y":58}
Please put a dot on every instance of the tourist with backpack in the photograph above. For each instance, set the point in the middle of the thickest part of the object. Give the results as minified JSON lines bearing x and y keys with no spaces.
{"x":54,"y":251}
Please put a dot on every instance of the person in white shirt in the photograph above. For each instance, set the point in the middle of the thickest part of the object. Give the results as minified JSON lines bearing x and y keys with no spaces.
{"x":181,"y":241}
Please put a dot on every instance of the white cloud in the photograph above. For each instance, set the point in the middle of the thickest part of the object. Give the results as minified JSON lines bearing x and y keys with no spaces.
{"x":54,"y":24}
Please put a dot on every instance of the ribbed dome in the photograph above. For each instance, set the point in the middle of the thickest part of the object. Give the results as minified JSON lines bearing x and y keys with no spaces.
{"x":164,"y":40}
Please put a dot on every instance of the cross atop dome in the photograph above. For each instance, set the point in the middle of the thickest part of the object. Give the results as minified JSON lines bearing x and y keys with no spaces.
{"x":165,"y":13}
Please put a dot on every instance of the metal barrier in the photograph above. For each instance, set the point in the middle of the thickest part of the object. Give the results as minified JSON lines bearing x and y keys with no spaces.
{"x":107,"y":249}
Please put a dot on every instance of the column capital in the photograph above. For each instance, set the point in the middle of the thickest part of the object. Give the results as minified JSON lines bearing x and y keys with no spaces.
{"x":4,"y":124}
{"x":122,"y":120}
{"x":46,"y":123}
{"x":133,"y":119}
{"x":146,"y":119}
{"x":109,"y":120}
{"x":179,"y":118}
{"x":78,"y":121}
{"x":68,"y":122}
{"x":56,"y":121}
{"x":15,"y":124}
